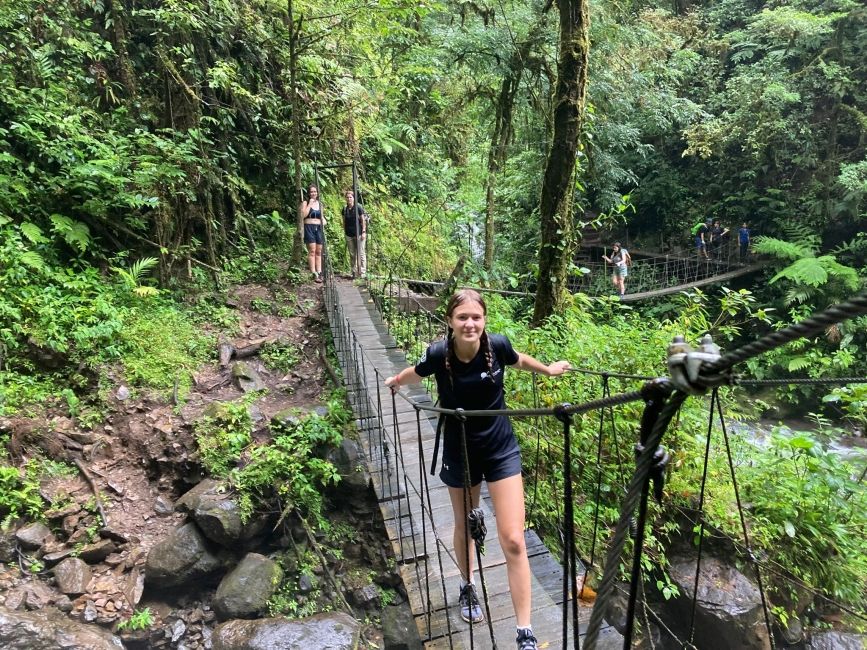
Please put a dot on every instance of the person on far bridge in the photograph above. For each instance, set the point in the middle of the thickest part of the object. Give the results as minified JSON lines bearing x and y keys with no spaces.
{"x":744,"y":241}
{"x":620,"y":260}
{"x":355,"y":228}
{"x":469,"y":366}
{"x":717,"y":233}
{"x":701,"y":230}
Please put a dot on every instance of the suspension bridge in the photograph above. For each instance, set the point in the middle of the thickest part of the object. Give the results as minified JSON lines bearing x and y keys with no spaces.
{"x":398,"y":430}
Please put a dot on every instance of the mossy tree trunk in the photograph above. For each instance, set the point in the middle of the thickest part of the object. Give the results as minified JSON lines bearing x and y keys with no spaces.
{"x":557,"y":224}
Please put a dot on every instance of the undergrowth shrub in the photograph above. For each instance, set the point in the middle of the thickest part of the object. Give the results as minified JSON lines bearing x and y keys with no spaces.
{"x":290,"y":469}
{"x":222,"y":434}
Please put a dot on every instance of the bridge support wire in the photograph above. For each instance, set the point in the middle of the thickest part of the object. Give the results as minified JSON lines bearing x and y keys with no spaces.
{"x":570,"y":569}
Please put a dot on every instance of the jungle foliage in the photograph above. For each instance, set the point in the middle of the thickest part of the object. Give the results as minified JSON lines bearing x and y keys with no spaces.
{"x":152,"y":152}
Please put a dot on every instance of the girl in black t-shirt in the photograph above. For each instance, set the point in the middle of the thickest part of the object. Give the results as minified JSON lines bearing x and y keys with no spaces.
{"x":469,"y":367}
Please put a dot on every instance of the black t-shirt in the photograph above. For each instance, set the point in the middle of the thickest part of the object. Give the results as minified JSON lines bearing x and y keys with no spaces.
{"x":349,"y":222}
{"x":475,"y":388}
{"x":701,"y":230}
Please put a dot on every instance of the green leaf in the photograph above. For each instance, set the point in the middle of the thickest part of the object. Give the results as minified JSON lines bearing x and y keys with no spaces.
{"x":790,"y":528}
{"x":33,"y":233}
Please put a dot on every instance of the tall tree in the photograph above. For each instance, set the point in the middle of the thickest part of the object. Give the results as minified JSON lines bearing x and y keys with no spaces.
{"x":557,"y":229}
{"x":294,"y":32}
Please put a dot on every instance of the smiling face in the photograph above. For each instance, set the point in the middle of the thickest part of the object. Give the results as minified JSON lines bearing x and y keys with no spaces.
{"x":466,"y":317}
{"x":313,"y":192}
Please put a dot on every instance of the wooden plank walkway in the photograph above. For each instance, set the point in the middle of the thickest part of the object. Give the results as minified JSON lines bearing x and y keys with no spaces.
{"x":397,"y":440}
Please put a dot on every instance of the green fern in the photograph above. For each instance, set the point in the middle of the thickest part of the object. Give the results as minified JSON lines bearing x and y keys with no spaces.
{"x":33,"y":233}
{"x":74,"y":233}
{"x":136,"y":272}
{"x":786,"y":250}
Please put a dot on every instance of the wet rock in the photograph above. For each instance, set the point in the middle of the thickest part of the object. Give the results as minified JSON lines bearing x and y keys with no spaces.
{"x":51,"y":630}
{"x":793,"y":633}
{"x":218,"y":515}
{"x":332,"y":631}
{"x":134,"y":587}
{"x":182,"y":557}
{"x":90,"y":612}
{"x":838,"y":641}
{"x":7,"y":547}
{"x":365,"y":597}
{"x":63,"y":603}
{"x":64,"y":511}
{"x":287,"y":419}
{"x":190,"y":499}
{"x":246,"y":589}
{"x":37,"y":595}
{"x":98,"y":551}
{"x":123,"y":393}
{"x":163,"y":507}
{"x":177,"y":630}
{"x":306,"y":583}
{"x":246,"y":378}
{"x":399,"y":631}
{"x":729,"y":610}
{"x":32,"y":536}
{"x":73,"y":576}
{"x":349,"y":461}
{"x":115,"y":534}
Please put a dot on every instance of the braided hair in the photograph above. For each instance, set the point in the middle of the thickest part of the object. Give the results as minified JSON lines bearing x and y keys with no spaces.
{"x":458,"y":299}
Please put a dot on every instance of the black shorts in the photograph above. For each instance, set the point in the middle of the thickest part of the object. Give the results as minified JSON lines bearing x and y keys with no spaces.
{"x":313,"y":234}
{"x":452,"y":472}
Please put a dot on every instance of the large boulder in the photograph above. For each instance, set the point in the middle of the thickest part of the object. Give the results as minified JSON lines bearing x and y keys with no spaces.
{"x":73,"y":576}
{"x":331,"y":631}
{"x":34,"y":535}
{"x":838,"y":641}
{"x":246,"y":378}
{"x":245,"y":590}
{"x":729,"y":610}
{"x":49,"y":629}
{"x":181,"y":558}
{"x":349,"y":461}
{"x":218,"y":515}
{"x":399,"y":631}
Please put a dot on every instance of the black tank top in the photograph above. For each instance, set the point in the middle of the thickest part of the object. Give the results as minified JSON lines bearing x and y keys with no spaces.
{"x":314,"y":214}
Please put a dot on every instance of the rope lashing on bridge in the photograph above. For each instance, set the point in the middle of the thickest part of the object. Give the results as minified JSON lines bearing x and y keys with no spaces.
{"x":689,"y":382}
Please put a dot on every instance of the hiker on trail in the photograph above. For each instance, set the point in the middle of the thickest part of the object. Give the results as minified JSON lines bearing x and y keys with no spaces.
{"x":701,"y":230}
{"x":314,"y":232}
{"x":744,"y":241}
{"x":717,"y":232}
{"x":620,"y":260}
{"x":355,"y":228}
{"x":469,"y":366}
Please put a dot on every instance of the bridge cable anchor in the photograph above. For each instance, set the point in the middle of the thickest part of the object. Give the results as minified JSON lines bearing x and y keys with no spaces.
{"x":685,"y":366}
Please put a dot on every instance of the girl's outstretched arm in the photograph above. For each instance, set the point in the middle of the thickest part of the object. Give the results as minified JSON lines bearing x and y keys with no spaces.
{"x":526,"y":362}
{"x":404,"y":377}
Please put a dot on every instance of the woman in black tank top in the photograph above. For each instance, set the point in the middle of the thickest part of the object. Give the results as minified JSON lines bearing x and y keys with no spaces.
{"x":314,"y":233}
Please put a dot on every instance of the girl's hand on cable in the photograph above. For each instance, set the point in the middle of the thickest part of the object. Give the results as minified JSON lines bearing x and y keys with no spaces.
{"x":393,"y":383}
{"x":558,"y":368}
